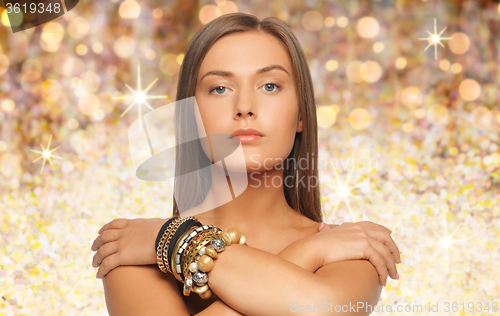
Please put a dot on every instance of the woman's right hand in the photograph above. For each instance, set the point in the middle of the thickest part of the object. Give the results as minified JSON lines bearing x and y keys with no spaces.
{"x":361,"y":240}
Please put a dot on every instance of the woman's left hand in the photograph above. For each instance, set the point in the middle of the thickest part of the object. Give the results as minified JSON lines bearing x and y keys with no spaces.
{"x":126,"y":242}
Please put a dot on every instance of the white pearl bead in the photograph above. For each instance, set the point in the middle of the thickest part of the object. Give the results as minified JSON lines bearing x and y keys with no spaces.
{"x":193,"y":267}
{"x":201,"y":251}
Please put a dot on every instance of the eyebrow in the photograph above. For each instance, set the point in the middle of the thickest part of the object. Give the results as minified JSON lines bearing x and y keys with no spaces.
{"x":230,"y":74}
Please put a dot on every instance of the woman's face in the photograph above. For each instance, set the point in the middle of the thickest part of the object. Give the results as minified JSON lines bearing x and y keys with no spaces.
{"x":246,"y":81}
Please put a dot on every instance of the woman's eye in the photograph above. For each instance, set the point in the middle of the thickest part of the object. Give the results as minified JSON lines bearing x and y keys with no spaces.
{"x":218,"y":89}
{"x":270,"y":87}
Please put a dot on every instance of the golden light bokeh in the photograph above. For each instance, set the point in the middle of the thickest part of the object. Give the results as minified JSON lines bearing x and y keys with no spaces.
{"x":8,"y":105}
{"x":227,"y":7}
{"x":157,"y":13}
{"x":90,"y":81}
{"x":81,"y":50}
{"x":326,"y":116}
{"x":124,"y":46}
{"x":72,"y":124}
{"x":342,"y":21}
{"x":419,"y":113}
{"x":469,"y":89}
{"x":150,"y":54}
{"x":456,"y":68}
{"x":169,"y":65}
{"x":482,"y":117}
{"x":51,"y":90}
{"x":180,"y":58}
{"x":332,"y":65}
{"x":411,"y":97}
{"x":353,"y":71}
{"x":209,"y":12}
{"x":129,"y":9}
{"x":97,"y":47}
{"x":401,"y":63}
{"x":3,"y":146}
{"x":444,"y":65}
{"x":88,"y":103}
{"x":368,"y":27}
{"x":459,"y":43}
{"x":98,"y":114}
{"x":437,"y":114}
{"x":329,"y":21}
{"x":378,"y":47}
{"x":370,"y":71}
{"x":4,"y":64}
{"x":359,"y":119}
{"x":52,"y":32}
{"x":78,"y":27}
{"x":407,"y":127}
{"x":283,"y":15}
{"x":312,"y":20}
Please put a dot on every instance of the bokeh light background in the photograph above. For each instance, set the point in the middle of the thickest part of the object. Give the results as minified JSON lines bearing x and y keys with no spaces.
{"x":418,"y":136}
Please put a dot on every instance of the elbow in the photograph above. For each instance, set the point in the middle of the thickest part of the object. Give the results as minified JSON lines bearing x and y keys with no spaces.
{"x":348,"y":301}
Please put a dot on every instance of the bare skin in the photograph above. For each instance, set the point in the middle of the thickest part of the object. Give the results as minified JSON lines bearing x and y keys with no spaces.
{"x":249,"y":98}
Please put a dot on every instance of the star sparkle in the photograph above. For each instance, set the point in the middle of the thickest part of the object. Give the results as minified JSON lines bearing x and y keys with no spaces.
{"x":343,"y":190}
{"x":445,"y":243}
{"x":139,"y":96}
{"x":46,"y":154}
{"x":435,"y":39}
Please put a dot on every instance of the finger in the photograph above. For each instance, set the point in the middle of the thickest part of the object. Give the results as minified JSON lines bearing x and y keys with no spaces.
{"x":105,"y":237}
{"x":323,"y":227}
{"x":108,"y":264}
{"x":378,"y":262}
{"x":388,"y":241}
{"x":105,"y":251}
{"x":377,"y":226}
{"x":384,"y":251}
{"x":115,"y":223}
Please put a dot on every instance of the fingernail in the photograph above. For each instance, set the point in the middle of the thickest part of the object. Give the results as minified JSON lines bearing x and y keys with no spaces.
{"x":96,"y":276}
{"x":385,"y":282}
{"x":397,"y":275}
{"x":321,"y":226}
{"x":99,"y":231}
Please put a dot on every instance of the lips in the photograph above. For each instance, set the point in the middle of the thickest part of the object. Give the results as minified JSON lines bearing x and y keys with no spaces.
{"x":247,"y":135}
{"x":247,"y":132}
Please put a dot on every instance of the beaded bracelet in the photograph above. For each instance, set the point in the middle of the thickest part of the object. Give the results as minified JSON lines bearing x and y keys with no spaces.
{"x":203,"y":262}
{"x":187,"y":250}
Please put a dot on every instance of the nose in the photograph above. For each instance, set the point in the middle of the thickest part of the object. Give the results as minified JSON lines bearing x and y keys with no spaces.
{"x":245,"y":105}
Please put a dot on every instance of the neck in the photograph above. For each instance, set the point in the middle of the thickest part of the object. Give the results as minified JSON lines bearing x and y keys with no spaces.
{"x":261,"y":204}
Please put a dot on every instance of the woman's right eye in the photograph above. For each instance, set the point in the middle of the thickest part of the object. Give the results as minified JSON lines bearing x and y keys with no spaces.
{"x":218,"y":89}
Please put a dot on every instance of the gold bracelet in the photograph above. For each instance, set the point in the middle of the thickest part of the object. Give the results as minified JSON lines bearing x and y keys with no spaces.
{"x":188,"y":254}
{"x":205,"y":260}
{"x":176,"y":248}
{"x":190,"y":257}
{"x":161,"y":253}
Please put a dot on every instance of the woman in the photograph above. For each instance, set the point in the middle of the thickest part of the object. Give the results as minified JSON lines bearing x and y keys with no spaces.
{"x":247,"y":73}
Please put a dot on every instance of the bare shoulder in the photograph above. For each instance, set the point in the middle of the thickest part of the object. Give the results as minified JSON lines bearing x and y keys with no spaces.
{"x":333,"y":225}
{"x":141,"y":290}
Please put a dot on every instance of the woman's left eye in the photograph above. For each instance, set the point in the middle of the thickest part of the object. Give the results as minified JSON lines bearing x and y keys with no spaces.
{"x":270,"y":86}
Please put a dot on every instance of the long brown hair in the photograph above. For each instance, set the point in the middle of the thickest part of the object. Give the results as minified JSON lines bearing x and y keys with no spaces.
{"x":304,"y":199}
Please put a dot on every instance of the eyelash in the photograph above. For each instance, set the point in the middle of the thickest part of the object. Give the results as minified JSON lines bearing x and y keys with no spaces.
{"x":272,"y":92}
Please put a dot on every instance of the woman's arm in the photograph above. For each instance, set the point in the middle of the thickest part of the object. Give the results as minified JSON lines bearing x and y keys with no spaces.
{"x":255,"y":282}
{"x":268,"y":283}
{"x":294,"y":253}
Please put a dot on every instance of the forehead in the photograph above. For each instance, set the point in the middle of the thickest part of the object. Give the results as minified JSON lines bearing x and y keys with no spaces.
{"x":244,"y":53}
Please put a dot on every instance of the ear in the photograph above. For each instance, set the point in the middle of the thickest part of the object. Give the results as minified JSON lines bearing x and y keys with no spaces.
{"x":299,"y":124}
